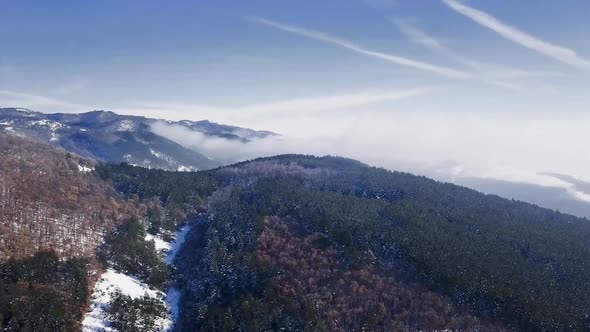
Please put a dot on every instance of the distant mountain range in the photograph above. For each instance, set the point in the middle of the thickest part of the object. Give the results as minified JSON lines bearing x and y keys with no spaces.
{"x":115,"y":138}
{"x":111,"y":137}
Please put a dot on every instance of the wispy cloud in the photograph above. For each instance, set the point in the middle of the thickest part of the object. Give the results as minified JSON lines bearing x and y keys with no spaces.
{"x":559,"y":53}
{"x":280,"y":108}
{"x":334,"y":102}
{"x":476,"y":74}
{"x":488,"y":72}
{"x":37,"y":102}
{"x":417,"y":35}
{"x":400,"y":60}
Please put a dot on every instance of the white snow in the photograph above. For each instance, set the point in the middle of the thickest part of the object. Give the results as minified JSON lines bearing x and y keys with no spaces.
{"x":173,"y":303}
{"x":173,"y":294}
{"x":156,"y":153}
{"x":53,"y":126}
{"x":96,"y":320}
{"x":110,"y":281}
{"x":177,"y":243}
{"x":161,"y":245}
{"x":183,"y":168}
{"x":24,"y":110}
{"x":125,"y":125}
{"x":84,"y":169}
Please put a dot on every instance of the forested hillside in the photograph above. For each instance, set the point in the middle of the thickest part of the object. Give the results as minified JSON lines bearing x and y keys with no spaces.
{"x":306,"y":243}
{"x":50,"y":199}
{"x":43,"y":293}
{"x":60,"y":227}
{"x":290,"y":242}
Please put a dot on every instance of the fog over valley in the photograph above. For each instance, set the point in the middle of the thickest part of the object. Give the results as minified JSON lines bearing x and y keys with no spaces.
{"x":261,"y":165}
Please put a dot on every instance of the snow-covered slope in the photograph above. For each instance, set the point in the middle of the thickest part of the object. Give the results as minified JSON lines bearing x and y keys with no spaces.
{"x":116,"y":138}
{"x":96,"y":320}
{"x":170,"y":249}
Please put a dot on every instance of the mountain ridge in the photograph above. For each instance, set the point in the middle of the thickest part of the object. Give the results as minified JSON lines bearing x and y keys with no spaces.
{"x":294,"y":241}
{"x":286,"y":229}
{"x":107,"y":136}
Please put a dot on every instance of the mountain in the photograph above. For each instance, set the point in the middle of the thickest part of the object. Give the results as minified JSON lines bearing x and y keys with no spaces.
{"x":290,"y":242}
{"x":325,"y":243}
{"x":110,"y":137}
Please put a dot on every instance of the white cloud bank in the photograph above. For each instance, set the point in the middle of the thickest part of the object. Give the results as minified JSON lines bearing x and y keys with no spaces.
{"x":508,"y":148}
{"x":511,"y":174}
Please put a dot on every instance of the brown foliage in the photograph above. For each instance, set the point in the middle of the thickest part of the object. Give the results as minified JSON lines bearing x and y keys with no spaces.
{"x":47,"y":202}
{"x":308,"y":270}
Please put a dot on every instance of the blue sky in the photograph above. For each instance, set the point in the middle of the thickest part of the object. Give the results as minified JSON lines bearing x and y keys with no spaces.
{"x":495,"y":87}
{"x":109,"y":53}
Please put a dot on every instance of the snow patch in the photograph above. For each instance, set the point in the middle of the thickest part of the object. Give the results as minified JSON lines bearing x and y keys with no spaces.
{"x":156,"y":153}
{"x":125,"y":125}
{"x":53,"y":125}
{"x":160,"y":244}
{"x":183,"y":168}
{"x":96,"y":320}
{"x":173,"y":302}
{"x":23,"y":110}
{"x":84,"y":169}
{"x":177,"y":243}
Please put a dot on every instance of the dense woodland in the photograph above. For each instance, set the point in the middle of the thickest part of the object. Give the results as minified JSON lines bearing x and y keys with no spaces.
{"x":43,"y":293}
{"x":126,"y":250}
{"x":308,"y":243}
{"x":56,"y":215}
{"x":289,"y":242}
{"x":135,"y":315}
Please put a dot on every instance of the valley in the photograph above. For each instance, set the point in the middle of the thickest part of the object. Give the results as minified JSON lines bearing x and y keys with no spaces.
{"x":427,"y":236}
{"x":292,"y":241}
{"x":305,"y":166}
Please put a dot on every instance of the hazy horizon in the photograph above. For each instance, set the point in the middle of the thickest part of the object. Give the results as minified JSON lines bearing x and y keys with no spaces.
{"x":453,"y":89}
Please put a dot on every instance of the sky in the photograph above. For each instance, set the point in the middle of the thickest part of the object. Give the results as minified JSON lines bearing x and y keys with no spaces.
{"x":458,"y":88}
